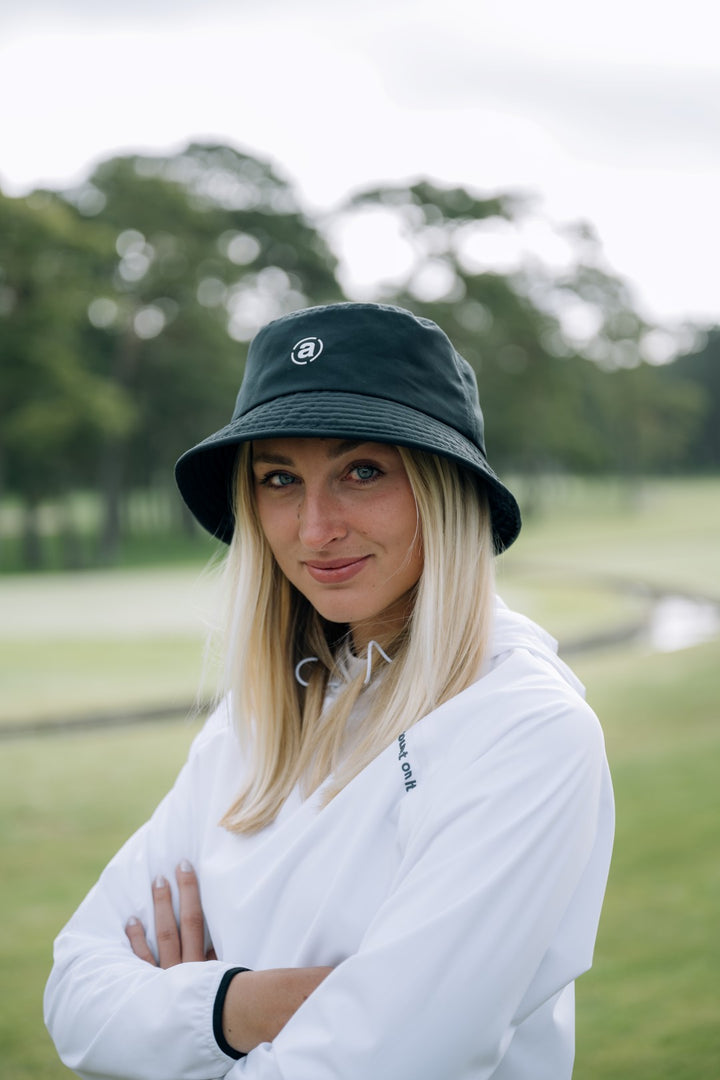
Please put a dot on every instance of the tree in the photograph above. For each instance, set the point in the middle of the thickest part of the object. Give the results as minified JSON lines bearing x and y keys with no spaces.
{"x":700,"y":369}
{"x":209,"y":243}
{"x":55,"y":409}
{"x":126,"y":306}
{"x":557,"y":344}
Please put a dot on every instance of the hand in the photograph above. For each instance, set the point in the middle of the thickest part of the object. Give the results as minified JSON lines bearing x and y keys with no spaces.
{"x":258,"y":1003}
{"x":176,"y":945}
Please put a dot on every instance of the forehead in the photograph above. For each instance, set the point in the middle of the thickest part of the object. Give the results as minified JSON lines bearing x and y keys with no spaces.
{"x":286,"y":450}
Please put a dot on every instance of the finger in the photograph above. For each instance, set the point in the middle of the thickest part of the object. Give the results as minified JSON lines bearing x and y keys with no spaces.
{"x":138,"y":941}
{"x":192,"y":923}
{"x":168,"y":938}
{"x":211,"y":954}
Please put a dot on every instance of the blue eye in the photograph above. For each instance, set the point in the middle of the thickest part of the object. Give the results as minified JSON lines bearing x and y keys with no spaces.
{"x":279,"y":479}
{"x":364,"y":473}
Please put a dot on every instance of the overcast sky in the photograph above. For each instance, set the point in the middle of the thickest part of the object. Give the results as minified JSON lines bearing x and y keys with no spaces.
{"x":609,"y":112}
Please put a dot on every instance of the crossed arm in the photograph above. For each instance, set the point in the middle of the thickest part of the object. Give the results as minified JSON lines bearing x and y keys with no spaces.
{"x":258,"y":1004}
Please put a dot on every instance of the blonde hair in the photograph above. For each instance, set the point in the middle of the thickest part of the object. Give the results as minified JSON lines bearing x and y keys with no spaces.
{"x":286,"y":735}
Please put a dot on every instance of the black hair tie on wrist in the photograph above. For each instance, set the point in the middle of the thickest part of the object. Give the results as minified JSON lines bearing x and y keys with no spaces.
{"x":218,"y":1013}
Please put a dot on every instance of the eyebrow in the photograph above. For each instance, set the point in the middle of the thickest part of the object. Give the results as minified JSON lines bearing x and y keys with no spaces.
{"x":344,"y":447}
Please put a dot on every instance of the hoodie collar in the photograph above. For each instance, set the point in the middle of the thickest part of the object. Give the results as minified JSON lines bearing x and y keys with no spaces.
{"x":511,"y":630}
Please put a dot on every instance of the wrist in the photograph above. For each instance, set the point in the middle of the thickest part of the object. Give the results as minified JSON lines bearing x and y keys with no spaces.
{"x":219,"y":1027}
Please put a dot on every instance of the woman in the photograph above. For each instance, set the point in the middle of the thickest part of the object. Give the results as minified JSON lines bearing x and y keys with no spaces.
{"x":400,"y":817}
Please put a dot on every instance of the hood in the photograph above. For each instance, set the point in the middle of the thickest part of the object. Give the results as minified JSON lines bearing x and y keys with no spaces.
{"x":514,"y":631}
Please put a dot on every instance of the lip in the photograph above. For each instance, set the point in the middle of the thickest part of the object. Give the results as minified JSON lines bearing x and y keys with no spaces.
{"x":336,"y":571}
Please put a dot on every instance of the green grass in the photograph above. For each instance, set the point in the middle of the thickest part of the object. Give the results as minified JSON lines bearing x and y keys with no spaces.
{"x":82,"y":678}
{"x":659,"y":532}
{"x":79,"y":644}
{"x":66,"y":803}
{"x":571,"y":608}
{"x":591,"y":554}
{"x":649,"y":1008}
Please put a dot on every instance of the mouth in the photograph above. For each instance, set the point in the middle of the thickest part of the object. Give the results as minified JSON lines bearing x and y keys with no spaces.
{"x":336,"y":571}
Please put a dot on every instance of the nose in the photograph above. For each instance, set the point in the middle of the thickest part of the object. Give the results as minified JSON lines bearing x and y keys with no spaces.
{"x":320,"y":518}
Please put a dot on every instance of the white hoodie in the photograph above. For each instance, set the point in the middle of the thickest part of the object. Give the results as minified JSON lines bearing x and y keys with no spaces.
{"x":455,"y":886}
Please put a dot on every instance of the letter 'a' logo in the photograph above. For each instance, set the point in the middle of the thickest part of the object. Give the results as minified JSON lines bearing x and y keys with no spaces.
{"x":306,"y":350}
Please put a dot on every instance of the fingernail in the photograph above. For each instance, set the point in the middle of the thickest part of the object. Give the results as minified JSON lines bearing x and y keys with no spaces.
{"x":132,"y":921}
{"x":186,"y":866}
{"x":159,"y":882}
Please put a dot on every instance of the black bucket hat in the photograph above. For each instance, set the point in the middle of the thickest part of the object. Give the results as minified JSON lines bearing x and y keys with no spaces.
{"x":368,"y":371}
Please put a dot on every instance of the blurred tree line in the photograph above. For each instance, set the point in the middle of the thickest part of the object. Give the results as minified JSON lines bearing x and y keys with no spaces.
{"x":126,"y":306}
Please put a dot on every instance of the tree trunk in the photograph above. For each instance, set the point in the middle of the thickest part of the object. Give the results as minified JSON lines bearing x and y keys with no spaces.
{"x":111,"y":481}
{"x":112,"y":465}
{"x":32,"y":549}
{"x":73,"y":556}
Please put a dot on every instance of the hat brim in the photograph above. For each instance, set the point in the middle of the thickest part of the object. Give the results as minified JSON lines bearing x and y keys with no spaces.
{"x":204,"y":473}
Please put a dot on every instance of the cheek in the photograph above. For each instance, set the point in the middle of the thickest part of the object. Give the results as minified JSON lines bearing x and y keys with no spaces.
{"x":278,"y":527}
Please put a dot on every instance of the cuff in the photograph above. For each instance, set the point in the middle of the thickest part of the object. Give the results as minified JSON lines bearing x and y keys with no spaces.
{"x":218,"y":1012}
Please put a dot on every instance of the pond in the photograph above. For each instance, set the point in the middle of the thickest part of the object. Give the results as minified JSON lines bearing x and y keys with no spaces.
{"x":678,"y":622}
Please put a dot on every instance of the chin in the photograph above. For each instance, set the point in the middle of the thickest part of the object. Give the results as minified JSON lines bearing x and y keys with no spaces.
{"x":341,"y":615}
{"x":339,"y":611}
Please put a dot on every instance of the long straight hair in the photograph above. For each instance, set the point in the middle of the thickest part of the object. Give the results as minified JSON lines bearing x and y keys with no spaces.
{"x":287,"y":736}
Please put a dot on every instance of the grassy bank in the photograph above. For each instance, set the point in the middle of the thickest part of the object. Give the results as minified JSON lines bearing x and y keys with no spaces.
{"x":66,"y":803}
{"x":649,"y":1008}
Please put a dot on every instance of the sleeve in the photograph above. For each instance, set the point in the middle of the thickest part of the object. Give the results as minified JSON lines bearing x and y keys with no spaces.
{"x":466,"y":945}
{"x":111,"y":1014}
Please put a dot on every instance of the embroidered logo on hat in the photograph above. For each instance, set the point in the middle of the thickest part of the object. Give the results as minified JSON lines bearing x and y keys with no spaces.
{"x":307,"y":350}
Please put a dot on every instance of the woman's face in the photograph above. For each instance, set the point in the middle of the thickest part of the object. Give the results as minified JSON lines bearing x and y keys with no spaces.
{"x":342,"y":523}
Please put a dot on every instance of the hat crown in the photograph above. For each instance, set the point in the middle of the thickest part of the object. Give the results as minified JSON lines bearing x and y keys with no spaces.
{"x":373,"y":350}
{"x":349,"y":371}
